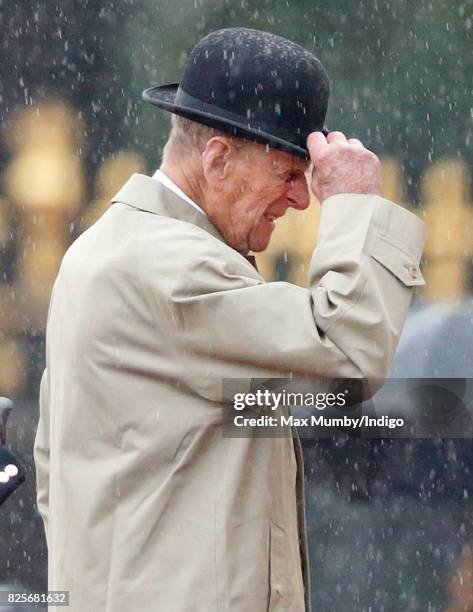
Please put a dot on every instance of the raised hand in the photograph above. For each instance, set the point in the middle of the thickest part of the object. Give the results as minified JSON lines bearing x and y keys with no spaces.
{"x":342,"y":166}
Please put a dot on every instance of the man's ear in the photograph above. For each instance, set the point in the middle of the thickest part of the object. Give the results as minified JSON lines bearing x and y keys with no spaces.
{"x":216,"y":159}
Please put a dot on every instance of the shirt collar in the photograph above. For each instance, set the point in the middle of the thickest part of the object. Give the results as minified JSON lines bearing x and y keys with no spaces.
{"x":167,"y":182}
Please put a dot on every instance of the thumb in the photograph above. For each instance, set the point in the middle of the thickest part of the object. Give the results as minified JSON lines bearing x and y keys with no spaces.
{"x":315,"y":187}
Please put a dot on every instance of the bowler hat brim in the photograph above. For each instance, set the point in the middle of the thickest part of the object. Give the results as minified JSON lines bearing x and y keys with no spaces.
{"x":163,"y":96}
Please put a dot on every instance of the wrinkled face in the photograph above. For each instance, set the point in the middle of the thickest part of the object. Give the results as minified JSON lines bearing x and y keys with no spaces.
{"x":260,"y":185}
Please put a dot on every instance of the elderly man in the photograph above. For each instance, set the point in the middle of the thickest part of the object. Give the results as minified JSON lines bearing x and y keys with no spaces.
{"x":146,"y":505}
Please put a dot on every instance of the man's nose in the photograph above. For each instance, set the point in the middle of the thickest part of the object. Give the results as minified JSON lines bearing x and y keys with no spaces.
{"x":298,"y":194}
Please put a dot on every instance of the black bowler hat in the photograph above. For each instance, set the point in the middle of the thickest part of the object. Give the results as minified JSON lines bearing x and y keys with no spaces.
{"x":253,"y":85}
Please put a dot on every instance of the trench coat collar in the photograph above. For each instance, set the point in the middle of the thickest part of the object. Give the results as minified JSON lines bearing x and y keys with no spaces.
{"x":148,"y":194}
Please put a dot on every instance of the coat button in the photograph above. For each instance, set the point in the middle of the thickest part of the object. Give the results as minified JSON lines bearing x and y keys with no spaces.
{"x":413,"y":273}
{"x":10,"y":470}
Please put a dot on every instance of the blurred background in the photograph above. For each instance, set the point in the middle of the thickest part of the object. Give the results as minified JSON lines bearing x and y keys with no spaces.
{"x":390,"y":521}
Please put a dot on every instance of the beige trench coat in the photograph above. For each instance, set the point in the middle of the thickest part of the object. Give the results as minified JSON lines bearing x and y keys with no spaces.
{"x":145,"y":505}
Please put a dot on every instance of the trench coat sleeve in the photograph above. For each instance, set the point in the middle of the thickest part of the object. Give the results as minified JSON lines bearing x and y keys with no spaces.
{"x":41,"y":453}
{"x":231,"y":323}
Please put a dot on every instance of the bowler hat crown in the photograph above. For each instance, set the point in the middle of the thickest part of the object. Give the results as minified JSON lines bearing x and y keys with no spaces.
{"x":251,"y":84}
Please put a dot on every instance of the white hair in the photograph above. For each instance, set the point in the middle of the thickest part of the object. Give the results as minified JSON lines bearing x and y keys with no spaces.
{"x":191,"y":136}
{"x":191,"y":133}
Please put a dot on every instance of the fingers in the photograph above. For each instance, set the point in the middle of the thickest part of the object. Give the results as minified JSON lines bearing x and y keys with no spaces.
{"x":355,"y":141}
{"x":340,"y":137}
{"x":336,"y":137}
{"x":316,"y":141}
